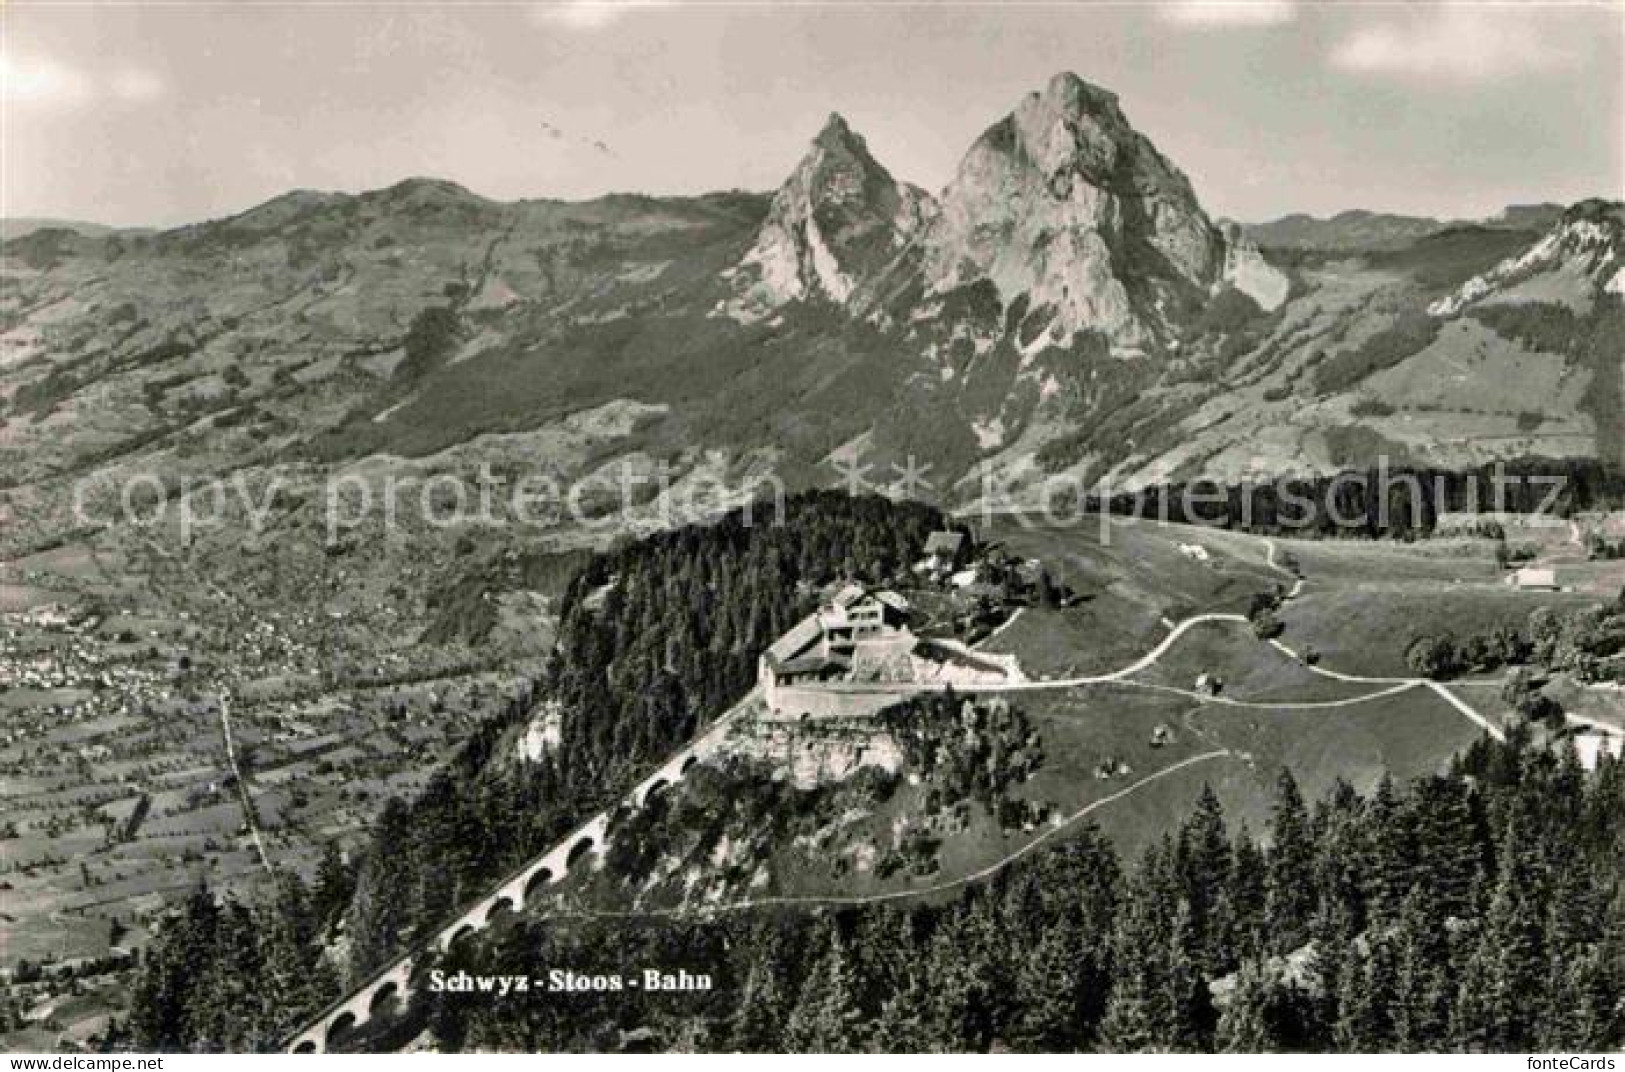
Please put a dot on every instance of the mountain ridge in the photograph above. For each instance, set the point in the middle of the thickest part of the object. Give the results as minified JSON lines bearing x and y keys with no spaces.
{"x":1066,"y":309}
{"x":1362,"y":229}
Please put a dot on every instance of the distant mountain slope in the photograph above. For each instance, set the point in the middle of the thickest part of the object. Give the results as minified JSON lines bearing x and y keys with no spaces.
{"x":1358,"y":230}
{"x":1528,"y":217}
{"x":1355,"y":229}
{"x":1470,"y":344}
{"x":12,"y":227}
{"x":1584,"y":252}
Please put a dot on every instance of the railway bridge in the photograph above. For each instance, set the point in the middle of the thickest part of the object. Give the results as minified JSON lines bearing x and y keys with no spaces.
{"x":388,"y":988}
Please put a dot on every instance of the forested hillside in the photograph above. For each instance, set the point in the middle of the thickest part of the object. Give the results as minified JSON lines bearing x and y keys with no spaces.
{"x":1475,"y":911}
{"x":655,"y":640}
{"x":1479,"y":910}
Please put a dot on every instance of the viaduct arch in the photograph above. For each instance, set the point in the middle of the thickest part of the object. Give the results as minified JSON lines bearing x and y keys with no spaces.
{"x":390,"y":988}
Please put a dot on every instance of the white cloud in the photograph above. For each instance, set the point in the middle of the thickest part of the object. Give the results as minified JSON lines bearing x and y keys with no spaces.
{"x":1229,"y":12}
{"x":1455,"y":44}
{"x":590,"y":14}
{"x":42,"y":81}
{"x":136,"y":85}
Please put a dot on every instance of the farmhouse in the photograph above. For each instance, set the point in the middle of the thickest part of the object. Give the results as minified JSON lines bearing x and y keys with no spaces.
{"x":946,"y":552}
{"x":1592,"y":746}
{"x":1536,"y":579}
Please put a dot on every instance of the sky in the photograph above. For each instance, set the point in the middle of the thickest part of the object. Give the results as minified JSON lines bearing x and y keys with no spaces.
{"x":164,"y":113}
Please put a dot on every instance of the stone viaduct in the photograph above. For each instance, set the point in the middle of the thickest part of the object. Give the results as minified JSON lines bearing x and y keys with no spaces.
{"x":388,"y":989}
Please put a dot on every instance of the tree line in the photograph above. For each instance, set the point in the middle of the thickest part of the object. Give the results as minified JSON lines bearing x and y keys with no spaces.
{"x":1588,"y":642}
{"x":1395,"y":502}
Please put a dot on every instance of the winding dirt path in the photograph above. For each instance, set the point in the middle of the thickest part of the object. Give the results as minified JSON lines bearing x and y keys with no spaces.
{"x":1437,"y":688}
{"x":1270,"y":550}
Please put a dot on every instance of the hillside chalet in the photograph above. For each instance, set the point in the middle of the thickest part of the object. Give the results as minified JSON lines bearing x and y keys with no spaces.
{"x":820,"y":646}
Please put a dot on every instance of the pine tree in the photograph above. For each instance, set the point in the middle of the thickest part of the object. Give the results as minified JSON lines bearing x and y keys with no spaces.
{"x":826,"y":1018}
{"x":1242,"y":910}
{"x":226,"y":1005}
{"x":901,"y":1026}
{"x":1448,"y":845}
{"x":1392,"y":862}
{"x":1472,"y":1027}
{"x":1130,"y":1024}
{"x":1513,"y":946}
{"x":1332,"y":932}
{"x":1202,"y":860}
{"x":1188,"y":999}
{"x":1050,"y":994}
{"x":1342,"y":855}
{"x":1363,"y":990}
{"x":759,"y":1020}
{"x":380,"y":908}
{"x":334,"y":885}
{"x":1137,"y":1015}
{"x":1244,"y":1024}
{"x":160,"y":1017}
{"x":1583,"y":1013}
{"x":1421,"y":999}
{"x":955,"y":1014}
{"x":1289,"y":896}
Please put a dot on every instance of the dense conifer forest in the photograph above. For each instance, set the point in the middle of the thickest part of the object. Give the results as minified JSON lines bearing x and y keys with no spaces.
{"x":1479,"y":910}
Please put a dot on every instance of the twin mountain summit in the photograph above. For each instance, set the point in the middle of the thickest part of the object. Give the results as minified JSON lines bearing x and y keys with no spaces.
{"x":1063,"y":307}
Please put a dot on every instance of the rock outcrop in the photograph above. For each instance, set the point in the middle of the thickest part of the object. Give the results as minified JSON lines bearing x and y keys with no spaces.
{"x":1246,"y":269}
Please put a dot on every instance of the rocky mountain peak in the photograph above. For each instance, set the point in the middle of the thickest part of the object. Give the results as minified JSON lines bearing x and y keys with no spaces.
{"x":837,"y":135}
{"x":1064,"y":203}
{"x":1072,"y":92}
{"x":1071,"y":125}
{"x":838,"y":222}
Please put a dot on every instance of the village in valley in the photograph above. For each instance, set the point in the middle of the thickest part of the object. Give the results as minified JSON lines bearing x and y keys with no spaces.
{"x":119,"y":787}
